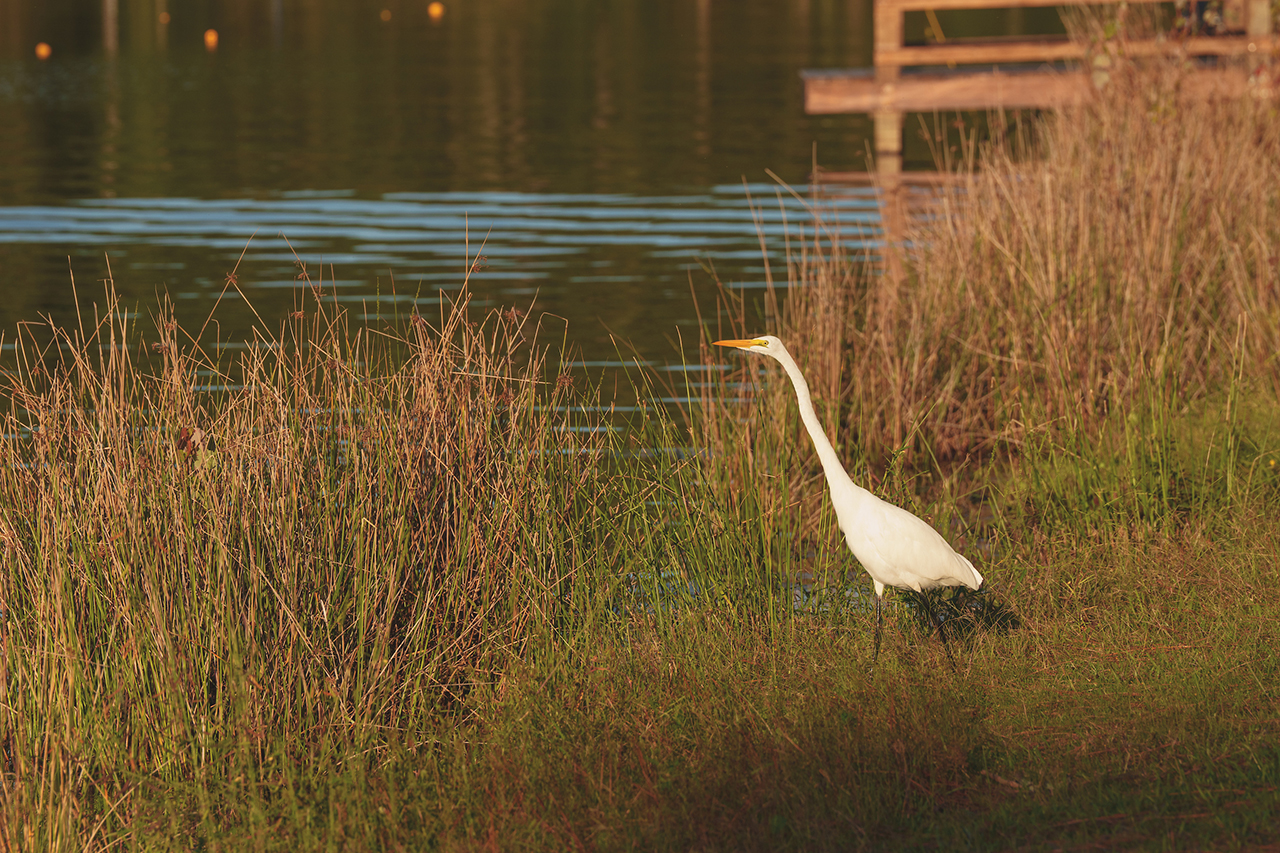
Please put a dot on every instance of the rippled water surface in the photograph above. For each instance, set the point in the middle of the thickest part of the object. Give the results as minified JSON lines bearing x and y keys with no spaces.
{"x":601,"y":157}
{"x":604,"y":262}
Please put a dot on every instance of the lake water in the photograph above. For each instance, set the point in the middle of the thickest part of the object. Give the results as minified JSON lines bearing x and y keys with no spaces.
{"x":601,"y":157}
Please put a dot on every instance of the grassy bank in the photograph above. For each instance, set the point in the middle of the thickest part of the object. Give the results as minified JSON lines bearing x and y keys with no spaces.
{"x":406,"y":588}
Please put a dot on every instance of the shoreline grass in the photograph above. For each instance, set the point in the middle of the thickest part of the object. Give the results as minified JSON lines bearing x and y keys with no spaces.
{"x":400,"y":588}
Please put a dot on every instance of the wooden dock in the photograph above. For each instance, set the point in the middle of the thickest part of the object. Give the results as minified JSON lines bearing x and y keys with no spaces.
{"x":925,"y":78}
{"x":1020,"y":73}
{"x":915,"y":78}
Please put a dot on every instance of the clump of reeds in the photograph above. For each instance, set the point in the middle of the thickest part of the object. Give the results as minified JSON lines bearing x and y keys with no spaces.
{"x":1098,"y":274}
{"x":1139,"y":248}
{"x":315,"y":540}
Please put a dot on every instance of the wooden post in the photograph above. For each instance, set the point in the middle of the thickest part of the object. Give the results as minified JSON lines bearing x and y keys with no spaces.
{"x":1257,"y":25}
{"x":1258,"y":18}
{"x":888,"y":41}
{"x":110,"y":26}
{"x":888,"y":134}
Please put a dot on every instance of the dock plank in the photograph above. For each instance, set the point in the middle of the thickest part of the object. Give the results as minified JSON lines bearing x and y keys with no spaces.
{"x":858,"y":92}
{"x":950,"y":5}
{"x":1060,"y":50}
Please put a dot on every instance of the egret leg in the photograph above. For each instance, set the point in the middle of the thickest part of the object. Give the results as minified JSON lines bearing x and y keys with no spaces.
{"x":942,"y":630}
{"x":879,"y":625}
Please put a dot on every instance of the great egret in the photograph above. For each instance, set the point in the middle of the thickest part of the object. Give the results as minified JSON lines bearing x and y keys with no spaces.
{"x":894,"y":546}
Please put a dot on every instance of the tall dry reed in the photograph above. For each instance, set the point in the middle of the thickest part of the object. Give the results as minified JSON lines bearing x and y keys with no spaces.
{"x":316,"y":540}
{"x":1139,"y":248}
{"x":1127,"y":250}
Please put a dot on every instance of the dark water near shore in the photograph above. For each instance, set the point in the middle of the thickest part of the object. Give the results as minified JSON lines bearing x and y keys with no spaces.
{"x":598,"y":150}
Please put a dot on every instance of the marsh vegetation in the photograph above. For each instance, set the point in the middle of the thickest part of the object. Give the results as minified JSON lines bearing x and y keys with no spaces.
{"x":418,"y":587}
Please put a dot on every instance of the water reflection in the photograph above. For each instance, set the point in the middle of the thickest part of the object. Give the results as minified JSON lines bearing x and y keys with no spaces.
{"x":607,"y":261}
{"x":602,"y":144}
{"x":597,"y":146}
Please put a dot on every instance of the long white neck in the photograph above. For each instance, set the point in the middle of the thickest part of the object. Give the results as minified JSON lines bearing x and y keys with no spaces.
{"x":836,"y":475}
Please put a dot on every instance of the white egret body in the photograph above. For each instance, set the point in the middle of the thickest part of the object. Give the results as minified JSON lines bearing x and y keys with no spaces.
{"x":895,"y":547}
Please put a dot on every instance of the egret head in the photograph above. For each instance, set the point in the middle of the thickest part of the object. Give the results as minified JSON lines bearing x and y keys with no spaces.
{"x":767,"y":344}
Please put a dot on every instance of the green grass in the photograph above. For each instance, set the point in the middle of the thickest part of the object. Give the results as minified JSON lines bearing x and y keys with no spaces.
{"x":785,"y":739}
{"x":1131,"y":710}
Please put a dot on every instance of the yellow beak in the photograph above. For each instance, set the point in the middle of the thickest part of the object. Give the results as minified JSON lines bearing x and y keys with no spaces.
{"x":751,"y":343}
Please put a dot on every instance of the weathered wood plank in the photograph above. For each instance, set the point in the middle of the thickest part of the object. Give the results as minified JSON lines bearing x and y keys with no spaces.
{"x":852,"y":92}
{"x":1258,"y":18}
{"x":981,"y":53}
{"x":835,"y":93}
{"x":950,"y":5}
{"x":999,"y":52}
